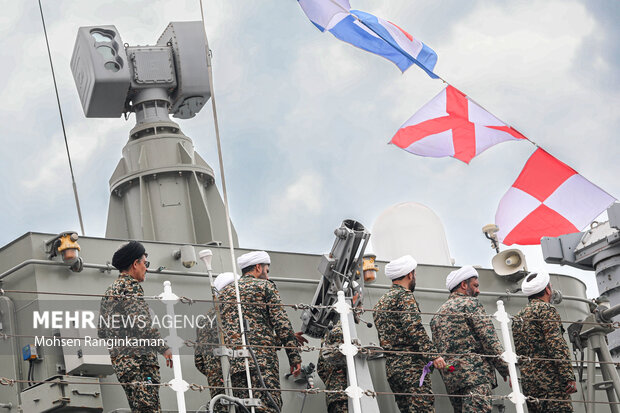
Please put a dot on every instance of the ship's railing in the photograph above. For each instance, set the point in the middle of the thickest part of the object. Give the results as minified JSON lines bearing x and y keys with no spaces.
{"x":5,"y":381}
{"x":180,"y":386}
{"x":162,"y":271}
{"x":302,"y":306}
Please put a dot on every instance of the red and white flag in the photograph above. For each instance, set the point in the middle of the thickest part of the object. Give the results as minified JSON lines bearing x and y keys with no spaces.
{"x":548,"y":199}
{"x":452,"y":125}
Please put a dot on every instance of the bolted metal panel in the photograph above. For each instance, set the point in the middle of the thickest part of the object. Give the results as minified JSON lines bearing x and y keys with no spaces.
{"x":152,"y":65}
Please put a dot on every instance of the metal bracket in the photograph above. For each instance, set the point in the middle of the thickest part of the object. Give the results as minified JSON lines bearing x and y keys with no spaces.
{"x":223,"y":351}
{"x":245,"y":402}
{"x":245,"y":353}
{"x":252,"y":402}
{"x":604,"y":385}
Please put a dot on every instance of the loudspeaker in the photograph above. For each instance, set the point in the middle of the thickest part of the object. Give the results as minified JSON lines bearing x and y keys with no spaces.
{"x":510,"y":264}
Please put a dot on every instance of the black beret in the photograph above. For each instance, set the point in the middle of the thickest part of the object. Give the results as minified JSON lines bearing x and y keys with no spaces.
{"x":127,"y":254}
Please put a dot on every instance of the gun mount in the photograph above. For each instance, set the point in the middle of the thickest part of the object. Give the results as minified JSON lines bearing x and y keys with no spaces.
{"x":340,"y":269}
{"x":598,"y":250}
{"x":589,"y":337}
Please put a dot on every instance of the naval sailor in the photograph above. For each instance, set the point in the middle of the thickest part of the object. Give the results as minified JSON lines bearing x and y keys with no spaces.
{"x":462,"y":326}
{"x":265,"y":325}
{"x":124,"y":299}
{"x":399,"y":325}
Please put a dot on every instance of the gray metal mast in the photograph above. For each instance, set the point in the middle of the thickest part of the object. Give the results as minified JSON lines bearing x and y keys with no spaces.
{"x":161,"y":189}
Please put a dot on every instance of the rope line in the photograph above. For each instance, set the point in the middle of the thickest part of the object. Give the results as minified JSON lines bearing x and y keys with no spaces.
{"x":302,"y":306}
{"x":5,"y":381}
{"x":335,"y":347}
{"x":62,"y":121}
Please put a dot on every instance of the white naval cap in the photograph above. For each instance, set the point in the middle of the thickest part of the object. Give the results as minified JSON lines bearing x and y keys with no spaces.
{"x":536,"y":284}
{"x":223,"y":280}
{"x":456,"y":277}
{"x":253,"y":258}
{"x":400,"y":267}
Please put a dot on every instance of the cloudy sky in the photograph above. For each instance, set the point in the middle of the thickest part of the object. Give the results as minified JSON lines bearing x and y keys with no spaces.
{"x":305,"y":118}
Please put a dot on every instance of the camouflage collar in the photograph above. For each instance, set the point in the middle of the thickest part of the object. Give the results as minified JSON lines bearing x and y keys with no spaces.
{"x":399,"y":286}
{"x":457,"y":294}
{"x":128,"y":277}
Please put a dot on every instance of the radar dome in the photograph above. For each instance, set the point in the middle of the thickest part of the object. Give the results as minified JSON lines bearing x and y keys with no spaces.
{"x":410,"y":228}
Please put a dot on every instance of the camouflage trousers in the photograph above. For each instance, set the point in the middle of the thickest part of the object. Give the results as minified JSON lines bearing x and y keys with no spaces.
{"x":141,"y":398}
{"x":340,"y":406}
{"x":547,"y":406}
{"x":407,"y":380}
{"x":544,"y":387}
{"x":335,"y":379}
{"x":473,"y":404}
{"x":272,"y":381}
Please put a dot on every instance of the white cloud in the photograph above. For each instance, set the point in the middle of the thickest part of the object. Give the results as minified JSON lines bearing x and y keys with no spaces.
{"x":301,"y":197}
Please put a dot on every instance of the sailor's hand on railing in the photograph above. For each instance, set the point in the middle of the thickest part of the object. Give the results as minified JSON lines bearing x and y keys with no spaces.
{"x":168,"y":357}
{"x":296,"y":369}
{"x":301,"y":340}
{"x":439,"y":363}
{"x":571,"y":387}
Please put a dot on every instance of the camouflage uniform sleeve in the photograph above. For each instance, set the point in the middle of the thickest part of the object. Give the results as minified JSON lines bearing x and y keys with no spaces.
{"x":556,"y":345}
{"x":138,"y":306}
{"x":108,"y":310}
{"x":281,"y":324}
{"x":105,"y":311}
{"x":201,"y":351}
{"x":412,"y":323}
{"x":484,"y":331}
{"x":334,"y":339}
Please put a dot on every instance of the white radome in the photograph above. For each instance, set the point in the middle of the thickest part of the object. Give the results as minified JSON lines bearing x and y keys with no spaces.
{"x":410,"y":228}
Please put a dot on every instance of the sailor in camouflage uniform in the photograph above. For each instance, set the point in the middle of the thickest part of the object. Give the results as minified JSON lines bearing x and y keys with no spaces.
{"x":268,"y":325}
{"x":133,"y":364}
{"x":472,"y":333}
{"x":207,"y":339}
{"x":543,"y":339}
{"x":332,"y":369}
{"x":403,"y":331}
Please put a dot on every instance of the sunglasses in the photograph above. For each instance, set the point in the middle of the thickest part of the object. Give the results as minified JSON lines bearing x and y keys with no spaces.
{"x":146,"y":263}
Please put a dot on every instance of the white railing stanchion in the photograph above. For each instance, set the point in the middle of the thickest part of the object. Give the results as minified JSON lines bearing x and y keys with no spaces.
{"x":349,"y":351}
{"x":175,"y":342}
{"x":510,"y":357}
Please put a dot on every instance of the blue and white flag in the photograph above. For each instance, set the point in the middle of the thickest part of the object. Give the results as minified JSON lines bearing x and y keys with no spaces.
{"x":370,"y":33}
